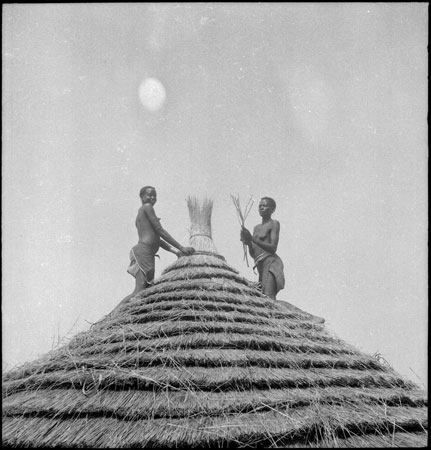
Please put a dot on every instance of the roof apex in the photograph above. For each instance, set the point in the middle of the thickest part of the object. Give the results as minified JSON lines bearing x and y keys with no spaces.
{"x":200,"y":227}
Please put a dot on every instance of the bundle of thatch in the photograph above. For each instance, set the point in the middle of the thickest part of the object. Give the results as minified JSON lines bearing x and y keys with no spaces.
{"x":200,"y":225}
{"x":203,"y":359}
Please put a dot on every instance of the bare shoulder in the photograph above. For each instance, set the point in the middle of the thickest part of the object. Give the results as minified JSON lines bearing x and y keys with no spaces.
{"x":146,"y":208}
{"x":142,"y":212}
{"x":275,"y":224}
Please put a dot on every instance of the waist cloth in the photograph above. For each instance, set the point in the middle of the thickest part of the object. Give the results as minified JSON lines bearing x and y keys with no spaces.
{"x":142,"y":258}
{"x":267,"y":263}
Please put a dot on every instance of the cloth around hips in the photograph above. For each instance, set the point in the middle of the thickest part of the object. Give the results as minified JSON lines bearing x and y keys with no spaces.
{"x":142,"y":258}
{"x":267,"y":263}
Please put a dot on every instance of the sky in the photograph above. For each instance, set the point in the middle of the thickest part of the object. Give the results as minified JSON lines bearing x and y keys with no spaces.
{"x":322,"y":106}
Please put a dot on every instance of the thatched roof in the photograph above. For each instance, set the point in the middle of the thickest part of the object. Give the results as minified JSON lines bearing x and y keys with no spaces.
{"x":203,"y":359}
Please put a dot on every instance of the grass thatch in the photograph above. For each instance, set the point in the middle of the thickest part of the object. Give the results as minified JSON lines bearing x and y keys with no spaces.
{"x":330,"y":424}
{"x":201,"y":259}
{"x":188,"y":403}
{"x":200,"y":228}
{"x":203,"y":359}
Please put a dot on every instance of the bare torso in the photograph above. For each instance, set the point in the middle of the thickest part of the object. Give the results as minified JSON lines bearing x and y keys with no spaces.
{"x":147,"y":232}
{"x":262,"y":233}
{"x":263,"y":242}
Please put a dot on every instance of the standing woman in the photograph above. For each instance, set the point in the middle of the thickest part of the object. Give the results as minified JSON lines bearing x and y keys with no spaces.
{"x":152,"y":236}
{"x":262,"y":246}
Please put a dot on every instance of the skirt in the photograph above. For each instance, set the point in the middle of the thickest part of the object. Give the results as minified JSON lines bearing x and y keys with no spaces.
{"x":142,"y":258}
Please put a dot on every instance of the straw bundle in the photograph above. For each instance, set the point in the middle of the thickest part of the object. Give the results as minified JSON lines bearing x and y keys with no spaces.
{"x":203,"y":359}
{"x":242,"y":216}
{"x":200,"y":229}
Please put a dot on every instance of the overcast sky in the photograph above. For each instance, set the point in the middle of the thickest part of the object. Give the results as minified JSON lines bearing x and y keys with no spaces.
{"x":322,"y":106}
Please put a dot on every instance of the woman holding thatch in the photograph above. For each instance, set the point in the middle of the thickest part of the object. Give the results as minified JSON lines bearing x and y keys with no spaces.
{"x":152,"y":236}
{"x":262,"y":246}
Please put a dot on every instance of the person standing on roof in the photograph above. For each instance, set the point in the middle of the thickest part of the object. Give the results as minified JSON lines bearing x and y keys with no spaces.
{"x":152,"y":236}
{"x":262,"y":246}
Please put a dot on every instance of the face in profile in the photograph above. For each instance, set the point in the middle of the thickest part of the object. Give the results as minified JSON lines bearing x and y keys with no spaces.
{"x":149,"y":196}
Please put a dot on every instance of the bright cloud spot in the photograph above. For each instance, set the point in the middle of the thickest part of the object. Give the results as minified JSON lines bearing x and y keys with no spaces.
{"x":152,"y":94}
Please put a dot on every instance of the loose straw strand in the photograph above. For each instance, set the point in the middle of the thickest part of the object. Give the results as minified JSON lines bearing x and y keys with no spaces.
{"x":242,"y":216}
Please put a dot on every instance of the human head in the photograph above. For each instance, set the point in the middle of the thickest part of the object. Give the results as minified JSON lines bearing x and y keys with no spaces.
{"x":144,"y":194}
{"x":266,"y":207}
{"x":270,"y":202}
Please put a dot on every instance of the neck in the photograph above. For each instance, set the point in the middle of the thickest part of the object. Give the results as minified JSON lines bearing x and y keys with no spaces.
{"x":266,"y":219}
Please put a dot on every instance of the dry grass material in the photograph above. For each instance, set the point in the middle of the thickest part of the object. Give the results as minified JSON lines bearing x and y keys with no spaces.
{"x":177,"y":404}
{"x":200,"y":228}
{"x":390,"y":440}
{"x":226,"y":341}
{"x":203,"y":378}
{"x":221,"y":300}
{"x":242,"y":216}
{"x":214,"y":341}
{"x":208,"y":305}
{"x":203,"y":359}
{"x":201,"y":306}
{"x":202,"y":273}
{"x":200,"y":260}
{"x":204,"y":316}
{"x":199,"y":294}
{"x":168,"y":328}
{"x":203,"y":284}
{"x":203,"y":297}
{"x":220,"y":357}
{"x":278,"y":427}
{"x":200,"y":343}
{"x":136,"y":333}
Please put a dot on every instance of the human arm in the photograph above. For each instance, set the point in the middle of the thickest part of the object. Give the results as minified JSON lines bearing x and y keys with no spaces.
{"x":168,"y":248}
{"x":179,"y":253}
{"x":155,"y":223}
{"x":245,"y":238}
{"x":271,"y":239}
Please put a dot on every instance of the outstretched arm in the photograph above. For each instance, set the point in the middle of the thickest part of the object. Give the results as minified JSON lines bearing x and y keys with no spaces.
{"x":168,"y":248}
{"x":155,"y":222}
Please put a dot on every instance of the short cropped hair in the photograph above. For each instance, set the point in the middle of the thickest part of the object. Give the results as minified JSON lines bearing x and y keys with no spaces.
{"x":270,"y":201}
{"x":142,"y":191}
